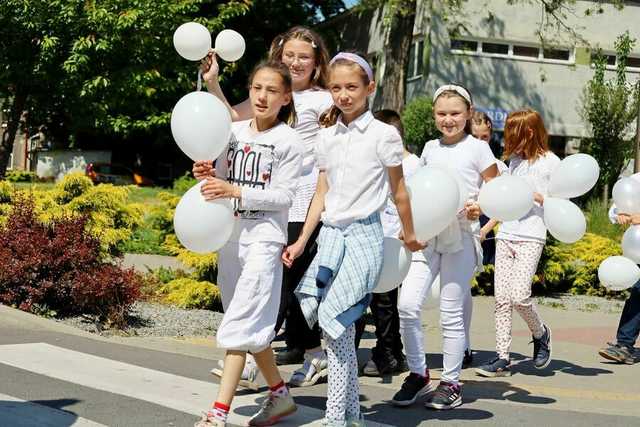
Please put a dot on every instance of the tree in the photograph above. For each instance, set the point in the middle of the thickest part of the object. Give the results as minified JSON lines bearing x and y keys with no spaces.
{"x":609,"y":107}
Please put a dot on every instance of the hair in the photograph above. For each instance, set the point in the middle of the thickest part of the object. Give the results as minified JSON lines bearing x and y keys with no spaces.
{"x":525,"y":135}
{"x":287,"y":113}
{"x":390,"y":117}
{"x":330,"y":117}
{"x":480,"y":118}
{"x":454,"y":94}
{"x":319,"y":77}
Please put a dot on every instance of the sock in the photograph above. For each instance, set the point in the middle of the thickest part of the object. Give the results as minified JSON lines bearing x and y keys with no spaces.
{"x":279,"y":390}
{"x":219,"y":411}
{"x":323,"y":277}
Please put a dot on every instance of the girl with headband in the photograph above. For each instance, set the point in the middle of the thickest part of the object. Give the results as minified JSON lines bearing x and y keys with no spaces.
{"x":454,"y":255}
{"x":304,"y":53}
{"x":355,"y":155}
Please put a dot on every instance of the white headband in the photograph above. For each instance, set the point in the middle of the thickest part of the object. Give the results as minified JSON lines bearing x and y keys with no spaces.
{"x":357,"y":59}
{"x":455,"y":88}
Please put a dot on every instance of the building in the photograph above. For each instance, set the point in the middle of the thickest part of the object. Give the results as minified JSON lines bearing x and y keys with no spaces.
{"x":499,"y":56}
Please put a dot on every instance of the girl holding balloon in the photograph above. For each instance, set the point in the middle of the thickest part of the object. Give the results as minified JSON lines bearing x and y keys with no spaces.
{"x":454,"y":254}
{"x":358,"y":157}
{"x":520,"y":243}
{"x":259,"y":172}
{"x":303,"y":51}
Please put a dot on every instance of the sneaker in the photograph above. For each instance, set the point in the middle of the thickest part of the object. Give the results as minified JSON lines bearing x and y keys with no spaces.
{"x":447,"y":396}
{"x":370,"y":369}
{"x":414,"y":386}
{"x":467,"y":361}
{"x":248,"y":377}
{"x":618,"y":353}
{"x":209,"y":422}
{"x":314,"y":369}
{"x":542,"y":349}
{"x":494,"y":368}
{"x":290,"y":357}
{"x":274,"y":408}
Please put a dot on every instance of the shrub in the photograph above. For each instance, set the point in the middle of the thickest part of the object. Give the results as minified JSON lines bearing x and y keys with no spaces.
{"x":56,"y":267}
{"x":190,"y":293}
{"x":184,"y":183}
{"x":20,"y":176}
{"x":419,"y":124}
{"x":598,"y":221}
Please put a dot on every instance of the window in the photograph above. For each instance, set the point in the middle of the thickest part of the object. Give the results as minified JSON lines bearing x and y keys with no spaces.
{"x":495,"y":48}
{"x":633,"y":62}
{"x":611,"y":59}
{"x":10,"y":164}
{"x":528,"y":51}
{"x":557,"y":54}
{"x":464,"y":45}
{"x":415,"y":59}
{"x":511,"y":50}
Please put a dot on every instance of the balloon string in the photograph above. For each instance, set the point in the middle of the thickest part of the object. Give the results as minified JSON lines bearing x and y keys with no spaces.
{"x":199,"y":84}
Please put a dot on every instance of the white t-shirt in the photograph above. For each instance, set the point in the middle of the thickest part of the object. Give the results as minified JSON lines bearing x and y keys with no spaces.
{"x":267,"y":166}
{"x":613,"y":211}
{"x":531,"y":227}
{"x":355,"y":159}
{"x":310,"y":104}
{"x":389,"y":217}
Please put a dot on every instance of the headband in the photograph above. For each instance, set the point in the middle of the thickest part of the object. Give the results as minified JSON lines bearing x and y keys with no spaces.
{"x":313,"y":43}
{"x":357,"y":59}
{"x":455,"y":88}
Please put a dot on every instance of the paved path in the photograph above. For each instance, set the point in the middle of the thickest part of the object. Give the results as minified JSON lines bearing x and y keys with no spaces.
{"x":54,"y":375}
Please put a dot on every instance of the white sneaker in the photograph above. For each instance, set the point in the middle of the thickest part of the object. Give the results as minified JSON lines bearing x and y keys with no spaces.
{"x":249,"y":373}
{"x":313,"y":369}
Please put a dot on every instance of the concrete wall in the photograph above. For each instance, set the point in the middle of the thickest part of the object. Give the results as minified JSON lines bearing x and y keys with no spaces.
{"x":57,"y":163}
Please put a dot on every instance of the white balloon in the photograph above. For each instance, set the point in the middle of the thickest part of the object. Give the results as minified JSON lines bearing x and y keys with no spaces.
{"x":506,"y":198}
{"x":618,"y":273}
{"x":395,"y":265}
{"x":203,"y":226}
{"x":575,"y":175}
{"x":462,"y":187}
{"x":229,"y":45}
{"x":201,"y":125}
{"x":631,"y":243}
{"x":626,"y":195}
{"x":433,"y":299}
{"x":564,"y":220}
{"x":434,"y":201}
{"x":192,"y":41}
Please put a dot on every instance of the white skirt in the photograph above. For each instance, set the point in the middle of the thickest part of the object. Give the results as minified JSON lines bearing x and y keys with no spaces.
{"x":250,"y":281}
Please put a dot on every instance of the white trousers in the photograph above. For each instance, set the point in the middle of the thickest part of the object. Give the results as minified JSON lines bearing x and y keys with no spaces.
{"x":456,"y":271}
{"x":250,"y":280}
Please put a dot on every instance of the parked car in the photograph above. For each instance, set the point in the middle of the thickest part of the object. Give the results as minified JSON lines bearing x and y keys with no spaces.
{"x":108,"y":173}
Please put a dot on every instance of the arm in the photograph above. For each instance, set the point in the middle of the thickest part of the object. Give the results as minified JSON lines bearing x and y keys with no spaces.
{"x":209,"y":67}
{"x":403,"y":204}
{"x":490,"y":225}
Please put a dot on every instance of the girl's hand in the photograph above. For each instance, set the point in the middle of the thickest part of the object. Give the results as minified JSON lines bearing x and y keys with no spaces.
{"x":291,"y":252}
{"x":216,"y":188}
{"x":538,"y":198}
{"x":623,"y":219}
{"x":635,"y":219}
{"x":472,"y":209}
{"x":412,"y":243}
{"x":203,"y":169}
{"x":209,"y":67}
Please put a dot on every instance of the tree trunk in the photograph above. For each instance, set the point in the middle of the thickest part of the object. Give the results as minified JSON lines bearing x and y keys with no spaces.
{"x":390,"y":92}
{"x":9,"y":136}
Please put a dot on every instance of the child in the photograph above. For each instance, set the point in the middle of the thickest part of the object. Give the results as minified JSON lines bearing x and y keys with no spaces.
{"x":303,"y":52}
{"x":622,"y":351}
{"x":355,"y":156}
{"x":520,"y":243}
{"x":259,"y":172}
{"x":454,"y":254}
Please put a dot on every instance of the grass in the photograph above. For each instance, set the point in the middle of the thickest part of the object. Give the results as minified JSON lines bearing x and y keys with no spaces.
{"x":598,"y":221}
{"x":33,"y":185}
{"x":147,"y":196}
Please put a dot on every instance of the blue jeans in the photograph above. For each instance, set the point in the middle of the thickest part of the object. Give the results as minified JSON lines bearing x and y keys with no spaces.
{"x":629,"y":326}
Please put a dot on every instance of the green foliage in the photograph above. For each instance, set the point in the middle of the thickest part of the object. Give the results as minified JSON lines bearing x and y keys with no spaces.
{"x":6,"y":191}
{"x":184,"y":183}
{"x":598,"y":221}
{"x":20,"y":176}
{"x":190,"y":293}
{"x":419,"y":124}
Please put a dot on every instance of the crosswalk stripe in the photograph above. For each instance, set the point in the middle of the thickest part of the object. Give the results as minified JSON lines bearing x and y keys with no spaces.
{"x":168,"y":390}
{"x":21,"y":413}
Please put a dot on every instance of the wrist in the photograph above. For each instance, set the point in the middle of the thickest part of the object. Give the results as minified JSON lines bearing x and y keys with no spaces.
{"x":236,"y":192}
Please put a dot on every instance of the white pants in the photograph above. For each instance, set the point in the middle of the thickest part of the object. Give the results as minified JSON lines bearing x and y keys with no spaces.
{"x":250,"y":281}
{"x":456,"y":271}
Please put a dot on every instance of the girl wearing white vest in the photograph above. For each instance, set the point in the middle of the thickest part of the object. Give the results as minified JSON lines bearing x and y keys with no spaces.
{"x":454,"y":255}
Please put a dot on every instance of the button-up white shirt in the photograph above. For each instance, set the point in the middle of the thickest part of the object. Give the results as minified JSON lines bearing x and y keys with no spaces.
{"x":355,"y":158}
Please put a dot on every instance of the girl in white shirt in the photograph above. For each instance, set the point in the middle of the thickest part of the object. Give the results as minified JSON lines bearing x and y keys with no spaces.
{"x":358,"y":156}
{"x":454,"y":255}
{"x":259,"y":171}
{"x":303,"y":51}
{"x":520,"y":243}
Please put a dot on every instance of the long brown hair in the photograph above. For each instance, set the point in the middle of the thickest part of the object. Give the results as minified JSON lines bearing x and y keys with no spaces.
{"x":330,"y":117}
{"x":319,"y":77}
{"x":287,"y":113}
{"x":525,"y":135}
{"x":454,"y":94}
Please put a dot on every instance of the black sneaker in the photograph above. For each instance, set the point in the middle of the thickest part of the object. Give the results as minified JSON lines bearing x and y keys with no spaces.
{"x":494,"y":368}
{"x":447,"y":396}
{"x":467,"y":361}
{"x":290,"y":357}
{"x":618,"y":353}
{"x":542,"y":349}
{"x":414,"y":386}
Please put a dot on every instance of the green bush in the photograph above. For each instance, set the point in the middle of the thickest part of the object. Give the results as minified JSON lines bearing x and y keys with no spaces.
{"x":191,"y":293}
{"x":598,"y":221}
{"x":419,"y":124}
{"x":21,"y":176}
{"x":185,"y":182}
